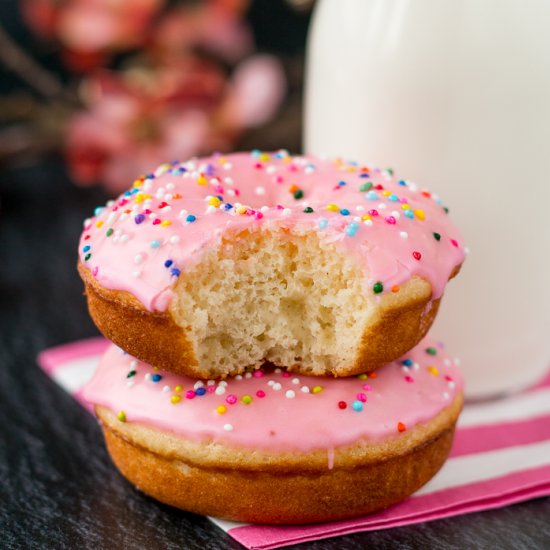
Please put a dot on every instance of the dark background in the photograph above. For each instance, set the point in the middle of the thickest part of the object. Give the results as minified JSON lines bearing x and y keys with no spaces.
{"x":58,"y":488}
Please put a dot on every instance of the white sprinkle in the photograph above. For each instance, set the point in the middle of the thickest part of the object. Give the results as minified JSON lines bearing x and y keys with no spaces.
{"x":290,"y":394}
{"x":264,"y":209}
{"x":270,"y":382}
{"x":130,"y":383}
{"x":152,"y":216}
{"x":278,"y":371}
{"x":170,"y":186}
{"x":447,"y":362}
{"x":183,"y":213}
{"x":396,"y":214}
{"x":210,"y":209}
{"x":136,"y":274}
{"x":174,"y":239}
{"x":404,"y":368}
{"x":260,"y":190}
{"x":368,"y":222}
{"x":211,"y":383}
{"x":198,"y":384}
{"x":403,"y":234}
{"x":227,"y":166}
{"x":286,"y":211}
{"x":166,"y":389}
{"x":238,"y":377}
{"x":148,"y":376}
{"x":309,"y":170}
{"x":445,"y":395}
{"x":231,"y":192}
{"x":466,"y":250}
{"x":134,"y":364}
{"x":123,"y":217}
{"x":166,"y":209}
{"x":138,"y":258}
{"x":295,"y":380}
{"x":111,"y":218}
{"x":228,"y":181}
{"x":124,"y":239}
{"x":222,"y":383}
{"x":220,"y":390}
{"x":110,"y":202}
{"x":228,"y":427}
{"x":147,"y":184}
{"x":360,"y":208}
{"x":305,"y":389}
{"x":115,"y":239}
{"x":248,"y":375}
{"x":416,"y":366}
{"x":277,"y":386}
{"x":86,"y":221}
{"x":457,"y":361}
{"x":451,"y":385}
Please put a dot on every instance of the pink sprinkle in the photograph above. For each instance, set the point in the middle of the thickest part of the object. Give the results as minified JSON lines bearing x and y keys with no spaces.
{"x":148,"y":211}
{"x":258,"y":215}
{"x":218,"y":189}
{"x":417,"y":255}
{"x":231,"y":399}
{"x":280,"y":207}
{"x":260,"y":393}
{"x":190,"y":394}
{"x":293,"y":168}
{"x":362,"y":397}
{"x":122,"y":202}
{"x":286,"y":374}
{"x":237,"y":192}
{"x":258,"y":373}
{"x":250,"y":212}
{"x":279,"y":179}
{"x":258,"y":166}
{"x":95,"y":270}
{"x":211,"y":389}
{"x":156,"y":221}
{"x":403,"y":200}
{"x":448,"y":378}
{"x":367,"y":387}
{"x":163,"y":205}
{"x":373,"y":212}
{"x":409,"y":379}
{"x":391,"y":220}
{"x":114,"y":208}
{"x":454,"y":243}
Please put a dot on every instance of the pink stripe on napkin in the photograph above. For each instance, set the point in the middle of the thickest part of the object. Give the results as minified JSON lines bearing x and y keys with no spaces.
{"x":501,"y":455}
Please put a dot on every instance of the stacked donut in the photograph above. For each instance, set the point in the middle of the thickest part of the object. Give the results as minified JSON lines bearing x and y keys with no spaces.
{"x":268,"y":315}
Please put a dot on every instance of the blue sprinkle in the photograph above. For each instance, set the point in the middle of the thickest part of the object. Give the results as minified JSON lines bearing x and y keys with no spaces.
{"x":86,"y":248}
{"x":408,"y":362}
{"x":219,"y":197}
{"x":255,"y":152}
{"x":341,"y":183}
{"x":140,"y":218}
{"x":127,"y":193}
{"x":156,"y":378}
{"x":209,"y":170}
{"x":364,"y":175}
{"x":403,"y":182}
{"x":393,"y":198}
{"x":175,"y":272}
{"x":227,"y":206}
{"x":351,"y":232}
{"x":357,"y":406}
{"x":155,"y":243}
{"x":190,"y":218}
{"x":200,"y":391}
{"x":323,"y":223}
{"x":409,"y":214}
{"x":371,"y":195}
{"x":344,"y":212}
{"x":98,"y":210}
{"x":151,"y":176}
{"x":168,"y":263}
{"x":134,"y":191}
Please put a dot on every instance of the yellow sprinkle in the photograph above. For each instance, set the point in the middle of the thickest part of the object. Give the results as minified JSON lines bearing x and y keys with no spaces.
{"x":175,"y":399}
{"x":121,"y":416}
{"x":362,"y":376}
{"x":420,"y":214}
{"x":386,"y":193}
{"x":433,"y":370}
{"x":332,"y":208}
{"x":241,"y":210}
{"x":137,"y":183}
{"x":317,"y":389}
{"x":99,"y":223}
{"x":214,"y":201}
{"x":351,"y":168}
{"x":202,"y":180}
{"x":178,"y":388}
{"x":165,"y":223}
{"x":264,"y":157}
{"x":287,"y":160}
{"x":222,"y":160}
{"x":246,"y":399}
{"x":406,"y":206}
{"x":366,"y":218}
{"x":221,"y":409}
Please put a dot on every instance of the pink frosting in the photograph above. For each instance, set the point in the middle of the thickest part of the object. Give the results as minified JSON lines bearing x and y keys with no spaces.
{"x":285,"y":411}
{"x":142,"y":241}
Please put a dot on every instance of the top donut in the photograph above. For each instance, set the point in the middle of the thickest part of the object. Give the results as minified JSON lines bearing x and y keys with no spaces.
{"x":216,"y":265}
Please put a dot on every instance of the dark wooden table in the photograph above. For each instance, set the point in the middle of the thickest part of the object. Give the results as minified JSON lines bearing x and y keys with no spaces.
{"x":58,"y":488}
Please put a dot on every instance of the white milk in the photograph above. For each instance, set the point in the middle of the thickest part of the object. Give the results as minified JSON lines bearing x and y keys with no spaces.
{"x":455,"y":95}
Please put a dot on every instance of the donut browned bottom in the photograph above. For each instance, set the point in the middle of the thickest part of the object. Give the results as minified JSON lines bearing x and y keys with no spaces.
{"x":402,"y":320}
{"x":287,"y":488}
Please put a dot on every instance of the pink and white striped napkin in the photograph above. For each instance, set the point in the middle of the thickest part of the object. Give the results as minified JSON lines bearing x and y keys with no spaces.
{"x":501,"y":455}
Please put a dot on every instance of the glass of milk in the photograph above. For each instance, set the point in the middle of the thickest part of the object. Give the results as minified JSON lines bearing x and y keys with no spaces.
{"x":454,"y":95}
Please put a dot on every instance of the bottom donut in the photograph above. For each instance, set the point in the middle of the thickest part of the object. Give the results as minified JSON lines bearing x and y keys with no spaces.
{"x":269,"y":447}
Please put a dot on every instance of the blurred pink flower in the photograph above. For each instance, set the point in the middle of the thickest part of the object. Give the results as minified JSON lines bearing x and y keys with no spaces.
{"x":143,"y":117}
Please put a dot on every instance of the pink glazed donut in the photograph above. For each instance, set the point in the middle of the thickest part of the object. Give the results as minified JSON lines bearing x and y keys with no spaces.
{"x":275,"y":447}
{"x":217,"y":265}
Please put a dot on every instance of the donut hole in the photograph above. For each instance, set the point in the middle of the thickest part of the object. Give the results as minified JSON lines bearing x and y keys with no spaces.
{"x":271,"y":296}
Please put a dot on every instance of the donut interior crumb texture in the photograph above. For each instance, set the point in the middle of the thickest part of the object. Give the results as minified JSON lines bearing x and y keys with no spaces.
{"x":289,"y":299}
